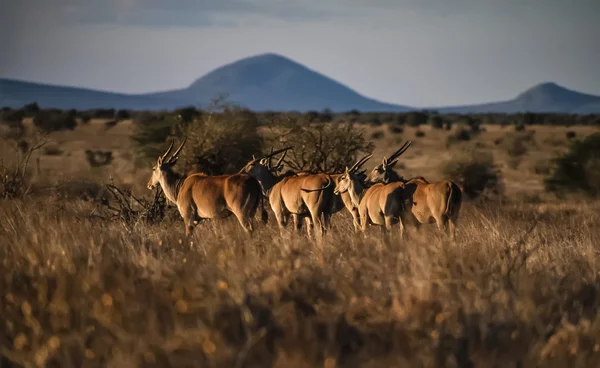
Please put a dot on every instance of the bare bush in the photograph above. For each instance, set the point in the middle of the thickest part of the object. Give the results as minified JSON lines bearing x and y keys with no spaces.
{"x":14,"y":181}
{"x":98,"y":158}
{"x":318,"y":148}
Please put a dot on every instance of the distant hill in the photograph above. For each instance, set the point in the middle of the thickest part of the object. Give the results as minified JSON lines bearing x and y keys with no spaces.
{"x":544,"y":98}
{"x":273,"y":82}
{"x":15,"y":94}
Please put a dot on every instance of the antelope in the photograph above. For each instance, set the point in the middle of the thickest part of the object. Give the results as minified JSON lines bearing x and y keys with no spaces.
{"x":438,"y":202}
{"x":435,"y":202}
{"x":384,"y":172}
{"x":343,"y":200}
{"x":380,"y":204}
{"x":301,"y":196}
{"x":339,"y":201}
{"x":199,"y":196}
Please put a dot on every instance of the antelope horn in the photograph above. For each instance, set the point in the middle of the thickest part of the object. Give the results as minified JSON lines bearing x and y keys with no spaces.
{"x":281,"y":159}
{"x":168,"y":150}
{"x":359,"y":163}
{"x":271,"y":158}
{"x":400,"y":151}
{"x":178,"y":150}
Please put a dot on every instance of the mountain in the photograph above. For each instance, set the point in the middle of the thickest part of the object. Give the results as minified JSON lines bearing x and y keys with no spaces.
{"x":263,"y":82}
{"x":543,"y":98}
{"x":15,"y":94}
{"x":273,"y":82}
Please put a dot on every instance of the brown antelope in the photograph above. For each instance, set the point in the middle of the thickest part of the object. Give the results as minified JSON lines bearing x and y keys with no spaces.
{"x":199,"y":196}
{"x":339,"y":201}
{"x":435,"y":202}
{"x":380,"y":204}
{"x":343,"y":200}
{"x":438,"y":202}
{"x":301,"y":196}
{"x":384,"y":172}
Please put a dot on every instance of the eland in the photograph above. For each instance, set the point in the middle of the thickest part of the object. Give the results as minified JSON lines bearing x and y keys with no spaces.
{"x":199,"y":196}
{"x":380,"y":204}
{"x":437,"y":202}
{"x":301,"y":196}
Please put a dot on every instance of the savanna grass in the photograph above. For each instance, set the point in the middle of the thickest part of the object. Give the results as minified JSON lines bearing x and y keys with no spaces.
{"x":519,"y":286}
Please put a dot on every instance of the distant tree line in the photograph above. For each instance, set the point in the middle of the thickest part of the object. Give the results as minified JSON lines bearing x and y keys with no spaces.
{"x":412,"y":119}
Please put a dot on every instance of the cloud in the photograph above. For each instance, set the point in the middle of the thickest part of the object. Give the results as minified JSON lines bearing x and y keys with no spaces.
{"x":179,"y":13}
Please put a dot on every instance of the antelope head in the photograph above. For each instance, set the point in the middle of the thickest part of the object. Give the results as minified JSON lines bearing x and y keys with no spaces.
{"x":262,"y":165}
{"x":384,"y":173}
{"x":343,"y":181}
{"x":164,"y":165}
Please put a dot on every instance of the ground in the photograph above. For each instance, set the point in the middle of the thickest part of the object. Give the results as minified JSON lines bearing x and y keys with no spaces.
{"x":519,"y":287}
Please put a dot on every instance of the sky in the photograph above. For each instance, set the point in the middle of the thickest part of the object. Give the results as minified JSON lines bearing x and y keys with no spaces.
{"x":414,"y":52}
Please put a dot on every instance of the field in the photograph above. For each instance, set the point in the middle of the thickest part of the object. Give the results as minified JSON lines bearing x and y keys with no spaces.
{"x":519,"y":287}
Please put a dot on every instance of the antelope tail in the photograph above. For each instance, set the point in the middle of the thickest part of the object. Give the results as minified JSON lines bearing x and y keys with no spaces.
{"x":320,"y":189}
{"x":453,"y":196}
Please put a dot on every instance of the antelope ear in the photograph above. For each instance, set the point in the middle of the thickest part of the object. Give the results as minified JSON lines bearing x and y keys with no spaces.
{"x":347,"y":170}
{"x":159,"y":161}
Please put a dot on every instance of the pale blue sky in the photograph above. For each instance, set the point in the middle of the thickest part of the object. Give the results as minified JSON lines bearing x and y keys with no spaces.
{"x":417,"y":52}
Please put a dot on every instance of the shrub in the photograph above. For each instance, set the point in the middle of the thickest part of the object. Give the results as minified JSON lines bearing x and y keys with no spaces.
{"x":319,"y":147}
{"x":31,"y":109}
{"x":53,"y":150}
{"x":396,"y":129}
{"x":150,"y":132}
{"x":514,"y":144}
{"x":103,"y":113}
{"x":13,"y":122}
{"x":14,"y":179}
{"x":436,"y":122}
{"x":378,"y":134}
{"x":570,"y":134}
{"x":419,"y":134}
{"x":98,"y":158}
{"x":123,"y":115}
{"x":461,"y":135}
{"x":519,"y":127}
{"x":50,"y":120}
{"x":475,"y":172}
{"x":220,"y":142}
{"x":578,"y":171}
{"x":415,"y":119}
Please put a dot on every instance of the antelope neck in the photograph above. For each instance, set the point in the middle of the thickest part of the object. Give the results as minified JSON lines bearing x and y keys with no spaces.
{"x":171,"y":183}
{"x":356,"y":190}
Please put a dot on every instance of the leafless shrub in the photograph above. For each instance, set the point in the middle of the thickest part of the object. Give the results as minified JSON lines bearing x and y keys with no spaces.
{"x":131,"y":210}
{"x":318,"y":147}
{"x":14,"y":181}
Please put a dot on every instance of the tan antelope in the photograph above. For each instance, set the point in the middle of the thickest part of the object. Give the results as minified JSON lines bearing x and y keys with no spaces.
{"x":438,"y":202}
{"x":380,"y":204}
{"x":199,"y":196}
{"x":301,"y":196}
{"x":435,"y":202}
{"x":343,"y":200}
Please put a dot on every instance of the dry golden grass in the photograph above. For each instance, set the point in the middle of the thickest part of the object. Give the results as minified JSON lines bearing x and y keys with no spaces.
{"x":520,"y":287}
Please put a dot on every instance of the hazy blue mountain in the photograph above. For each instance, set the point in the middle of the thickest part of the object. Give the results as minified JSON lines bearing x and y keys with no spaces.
{"x":545,"y":97}
{"x":15,"y":94}
{"x":274,"y":82}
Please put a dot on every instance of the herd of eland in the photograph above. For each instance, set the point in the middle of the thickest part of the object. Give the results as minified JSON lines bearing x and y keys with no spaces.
{"x":381,"y":198}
